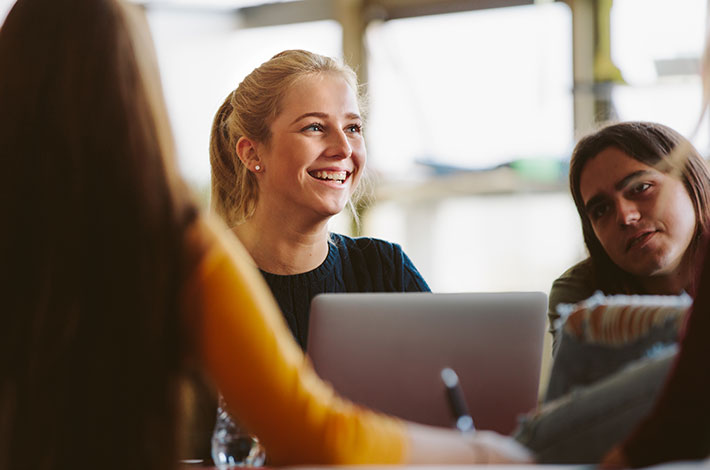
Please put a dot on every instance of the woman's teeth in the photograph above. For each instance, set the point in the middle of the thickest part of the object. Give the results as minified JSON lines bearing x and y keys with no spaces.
{"x":338,"y":176}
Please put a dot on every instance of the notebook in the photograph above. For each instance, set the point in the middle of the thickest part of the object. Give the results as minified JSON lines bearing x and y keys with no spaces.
{"x":387,"y":350}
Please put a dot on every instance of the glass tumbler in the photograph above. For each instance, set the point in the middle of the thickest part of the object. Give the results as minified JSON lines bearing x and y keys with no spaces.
{"x":232,"y":445}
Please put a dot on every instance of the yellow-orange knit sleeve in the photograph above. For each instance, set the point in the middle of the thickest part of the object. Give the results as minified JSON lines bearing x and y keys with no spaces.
{"x":267,"y":382}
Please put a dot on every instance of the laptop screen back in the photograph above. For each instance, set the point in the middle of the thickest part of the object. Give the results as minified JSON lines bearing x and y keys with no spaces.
{"x":386,"y":351}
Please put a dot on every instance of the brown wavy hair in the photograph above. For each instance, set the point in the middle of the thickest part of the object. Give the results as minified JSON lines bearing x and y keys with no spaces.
{"x":657,"y":146}
{"x":91,"y":250}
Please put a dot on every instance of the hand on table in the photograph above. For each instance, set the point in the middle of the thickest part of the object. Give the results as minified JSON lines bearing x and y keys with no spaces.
{"x":492,"y":447}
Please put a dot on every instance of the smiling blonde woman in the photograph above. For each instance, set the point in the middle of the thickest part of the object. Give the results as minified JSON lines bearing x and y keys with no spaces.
{"x":288,"y":153}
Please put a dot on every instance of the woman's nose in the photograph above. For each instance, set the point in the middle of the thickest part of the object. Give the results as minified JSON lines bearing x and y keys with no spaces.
{"x":627,"y":212}
{"x":339,"y":145}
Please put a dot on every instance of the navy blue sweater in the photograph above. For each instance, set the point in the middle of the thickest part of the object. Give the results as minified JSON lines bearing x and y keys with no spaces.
{"x":352,"y":265}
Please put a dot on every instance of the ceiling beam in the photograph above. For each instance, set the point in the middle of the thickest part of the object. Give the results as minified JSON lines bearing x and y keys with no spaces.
{"x":397,"y":9}
{"x":272,"y":14}
{"x":300,"y":11}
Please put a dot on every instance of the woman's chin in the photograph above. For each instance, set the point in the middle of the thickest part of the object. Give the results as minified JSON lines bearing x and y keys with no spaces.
{"x":330,"y":210}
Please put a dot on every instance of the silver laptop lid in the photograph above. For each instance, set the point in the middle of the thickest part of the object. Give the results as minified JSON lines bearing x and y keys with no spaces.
{"x":387,"y":350}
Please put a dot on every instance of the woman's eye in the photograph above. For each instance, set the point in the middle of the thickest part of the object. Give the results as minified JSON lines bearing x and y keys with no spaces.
{"x":314,"y":127}
{"x":354,"y":128}
{"x":598,"y":211}
{"x":640,"y":187}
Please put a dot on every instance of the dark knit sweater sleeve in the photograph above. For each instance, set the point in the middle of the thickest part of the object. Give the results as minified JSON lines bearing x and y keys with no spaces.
{"x":679,"y":426}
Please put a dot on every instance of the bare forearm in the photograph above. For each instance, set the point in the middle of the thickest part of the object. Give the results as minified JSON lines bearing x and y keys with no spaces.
{"x":429,"y":445}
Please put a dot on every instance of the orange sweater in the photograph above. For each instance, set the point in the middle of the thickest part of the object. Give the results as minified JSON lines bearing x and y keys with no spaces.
{"x":267,"y":382}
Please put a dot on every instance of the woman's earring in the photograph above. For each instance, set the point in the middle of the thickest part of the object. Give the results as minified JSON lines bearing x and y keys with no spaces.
{"x":257,"y":168}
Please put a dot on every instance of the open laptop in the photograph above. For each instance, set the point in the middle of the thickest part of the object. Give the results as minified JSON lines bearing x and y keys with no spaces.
{"x":387,"y":350}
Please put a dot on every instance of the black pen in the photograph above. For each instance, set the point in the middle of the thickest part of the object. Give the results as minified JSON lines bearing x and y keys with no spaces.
{"x":457,"y":402}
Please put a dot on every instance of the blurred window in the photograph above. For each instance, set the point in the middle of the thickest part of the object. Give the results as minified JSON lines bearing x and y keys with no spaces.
{"x":203,"y":57}
{"x":473,"y":89}
{"x":657,"y":44}
{"x":5,"y":6}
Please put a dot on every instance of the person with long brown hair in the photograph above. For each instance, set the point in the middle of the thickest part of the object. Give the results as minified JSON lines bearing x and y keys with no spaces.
{"x":91,"y":252}
{"x":643,"y":195}
{"x":114,"y":284}
{"x":643,"y":222}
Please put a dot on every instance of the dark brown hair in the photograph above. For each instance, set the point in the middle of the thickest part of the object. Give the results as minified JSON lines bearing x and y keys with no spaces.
{"x":91,"y":257}
{"x":654,"y":145}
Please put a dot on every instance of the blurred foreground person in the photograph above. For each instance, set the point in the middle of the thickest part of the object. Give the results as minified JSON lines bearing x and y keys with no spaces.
{"x":114,"y":284}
